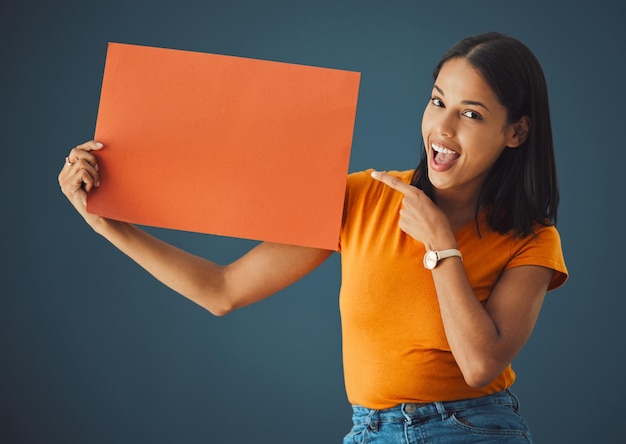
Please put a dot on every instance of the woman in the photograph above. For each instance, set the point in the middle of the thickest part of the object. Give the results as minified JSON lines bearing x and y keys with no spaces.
{"x":444,"y":269}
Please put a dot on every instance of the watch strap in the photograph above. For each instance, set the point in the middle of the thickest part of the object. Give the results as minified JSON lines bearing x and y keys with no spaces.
{"x":432,"y":258}
{"x":448,"y":253}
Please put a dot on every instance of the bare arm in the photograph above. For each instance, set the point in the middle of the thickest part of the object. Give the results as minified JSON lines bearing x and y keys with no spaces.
{"x":263,"y":271}
{"x":483,"y":339}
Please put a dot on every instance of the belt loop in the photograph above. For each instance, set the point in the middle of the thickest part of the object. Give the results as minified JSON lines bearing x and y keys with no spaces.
{"x":372,"y":422}
{"x":442,"y":410}
{"x":514,"y":398}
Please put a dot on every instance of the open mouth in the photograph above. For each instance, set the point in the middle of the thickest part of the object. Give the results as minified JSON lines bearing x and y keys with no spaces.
{"x":444,"y":156}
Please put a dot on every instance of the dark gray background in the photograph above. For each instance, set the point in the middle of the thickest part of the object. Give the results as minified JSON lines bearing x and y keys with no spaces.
{"x":94,"y":350}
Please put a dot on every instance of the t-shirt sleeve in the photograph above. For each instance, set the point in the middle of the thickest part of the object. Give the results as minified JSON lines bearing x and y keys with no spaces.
{"x":354,"y":186}
{"x":543,"y":249}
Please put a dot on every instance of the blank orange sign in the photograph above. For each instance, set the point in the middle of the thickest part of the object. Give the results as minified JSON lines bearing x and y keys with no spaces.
{"x":224,"y":145}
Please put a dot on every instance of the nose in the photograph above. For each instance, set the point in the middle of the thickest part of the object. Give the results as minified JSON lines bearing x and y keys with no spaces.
{"x":445,"y":124}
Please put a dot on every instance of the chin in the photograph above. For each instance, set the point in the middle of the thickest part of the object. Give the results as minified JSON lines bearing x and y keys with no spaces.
{"x":437,"y":181}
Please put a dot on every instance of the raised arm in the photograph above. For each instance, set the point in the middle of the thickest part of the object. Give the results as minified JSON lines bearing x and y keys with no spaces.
{"x":265,"y":270}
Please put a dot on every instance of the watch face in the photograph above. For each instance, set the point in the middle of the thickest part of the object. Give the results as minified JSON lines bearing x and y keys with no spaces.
{"x":430,"y":260}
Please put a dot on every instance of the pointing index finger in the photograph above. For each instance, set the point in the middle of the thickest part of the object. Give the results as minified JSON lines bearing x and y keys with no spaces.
{"x":393,"y":182}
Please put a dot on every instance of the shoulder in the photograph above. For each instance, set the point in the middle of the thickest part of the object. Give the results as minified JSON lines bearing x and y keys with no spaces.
{"x":542,"y":248}
{"x":363,"y":179}
{"x":369,"y":206}
{"x":363,"y":193}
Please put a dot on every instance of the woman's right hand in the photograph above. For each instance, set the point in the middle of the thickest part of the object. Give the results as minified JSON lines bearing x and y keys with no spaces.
{"x":79,"y":176}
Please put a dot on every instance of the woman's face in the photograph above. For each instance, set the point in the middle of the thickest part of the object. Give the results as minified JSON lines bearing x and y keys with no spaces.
{"x":464,"y":128}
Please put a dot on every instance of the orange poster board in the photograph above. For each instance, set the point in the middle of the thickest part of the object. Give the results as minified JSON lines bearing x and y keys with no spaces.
{"x":224,"y":145}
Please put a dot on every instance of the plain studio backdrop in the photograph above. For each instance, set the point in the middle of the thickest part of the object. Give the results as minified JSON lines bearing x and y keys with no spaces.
{"x":94,"y":350}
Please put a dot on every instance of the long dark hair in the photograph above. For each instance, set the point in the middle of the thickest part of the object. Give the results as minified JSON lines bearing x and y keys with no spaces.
{"x":521,"y":188}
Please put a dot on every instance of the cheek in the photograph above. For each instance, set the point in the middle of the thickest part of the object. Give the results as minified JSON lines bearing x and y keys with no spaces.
{"x":486,"y":158}
{"x":425,"y":125}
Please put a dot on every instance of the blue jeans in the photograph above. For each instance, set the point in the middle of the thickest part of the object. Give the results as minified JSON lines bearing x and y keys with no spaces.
{"x":488,"y":419}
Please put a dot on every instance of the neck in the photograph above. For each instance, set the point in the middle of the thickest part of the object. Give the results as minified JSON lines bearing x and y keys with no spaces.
{"x":459,"y":208}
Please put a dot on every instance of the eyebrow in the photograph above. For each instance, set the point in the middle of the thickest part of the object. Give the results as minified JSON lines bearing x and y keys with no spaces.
{"x":464,"y":102}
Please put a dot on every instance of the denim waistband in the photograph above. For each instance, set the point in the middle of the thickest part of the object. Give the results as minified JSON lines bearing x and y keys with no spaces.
{"x":415,"y":411}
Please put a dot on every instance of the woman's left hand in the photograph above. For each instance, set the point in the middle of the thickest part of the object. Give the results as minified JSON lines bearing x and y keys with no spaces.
{"x":420,"y":218}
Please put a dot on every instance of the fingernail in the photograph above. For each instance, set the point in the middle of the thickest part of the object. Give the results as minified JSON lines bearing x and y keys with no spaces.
{"x":375,"y":174}
{"x":99,"y":145}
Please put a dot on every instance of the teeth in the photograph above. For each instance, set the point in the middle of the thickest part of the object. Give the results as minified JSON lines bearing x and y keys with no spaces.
{"x":441,"y":149}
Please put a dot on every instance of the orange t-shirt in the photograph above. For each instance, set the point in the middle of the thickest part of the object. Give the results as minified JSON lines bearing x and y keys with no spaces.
{"x":394,"y":346}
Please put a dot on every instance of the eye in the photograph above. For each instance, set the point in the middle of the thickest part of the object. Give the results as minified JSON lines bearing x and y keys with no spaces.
{"x":472,"y":115}
{"x":437,"y":102}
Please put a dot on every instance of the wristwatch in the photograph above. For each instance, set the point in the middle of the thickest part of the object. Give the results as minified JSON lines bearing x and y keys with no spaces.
{"x":431,"y":258}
